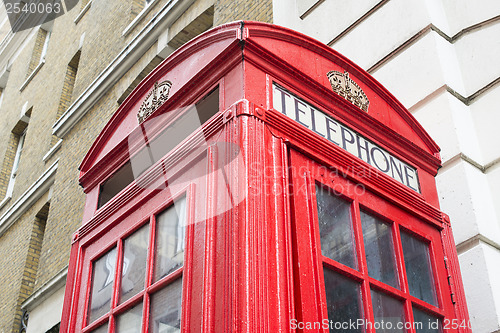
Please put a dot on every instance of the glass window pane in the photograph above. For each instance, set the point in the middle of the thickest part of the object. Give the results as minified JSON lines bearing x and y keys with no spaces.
{"x":166,"y":309}
{"x":425,"y":323}
{"x":388,"y":313}
{"x":418,"y":268}
{"x":103,"y":275}
{"x":343,"y":300}
{"x":135,"y":252}
{"x":379,"y":250}
{"x":335,"y":227}
{"x":130,"y":321}
{"x":170,"y":230}
{"x":101,"y":329}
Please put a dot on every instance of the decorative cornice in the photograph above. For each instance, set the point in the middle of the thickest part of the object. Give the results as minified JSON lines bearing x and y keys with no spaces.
{"x":28,"y":198}
{"x":46,"y":290}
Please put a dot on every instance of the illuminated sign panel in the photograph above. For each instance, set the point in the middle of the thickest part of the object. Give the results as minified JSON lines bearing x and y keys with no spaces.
{"x":344,"y":137}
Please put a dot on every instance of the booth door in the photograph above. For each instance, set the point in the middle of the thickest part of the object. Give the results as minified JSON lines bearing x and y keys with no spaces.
{"x":133,"y":274}
{"x":362,"y":264}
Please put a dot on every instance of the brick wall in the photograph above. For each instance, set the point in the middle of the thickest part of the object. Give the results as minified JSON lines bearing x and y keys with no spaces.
{"x":19,"y":246}
{"x":233,"y":10}
{"x":29,"y":276}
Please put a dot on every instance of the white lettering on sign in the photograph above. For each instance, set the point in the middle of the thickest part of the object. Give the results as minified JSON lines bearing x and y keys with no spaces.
{"x":344,"y":137}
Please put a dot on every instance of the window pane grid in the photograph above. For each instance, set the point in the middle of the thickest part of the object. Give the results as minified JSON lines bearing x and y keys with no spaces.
{"x":399,"y":257}
{"x":103,"y":321}
{"x":368,"y":285}
{"x":429,"y":307}
{"x":332,"y":264}
{"x":378,"y":242}
{"x":123,"y":309}
{"x":375,"y":284}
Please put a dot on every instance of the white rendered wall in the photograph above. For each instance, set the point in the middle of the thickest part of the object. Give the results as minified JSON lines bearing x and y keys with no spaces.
{"x":47,"y":314}
{"x":441,"y":59}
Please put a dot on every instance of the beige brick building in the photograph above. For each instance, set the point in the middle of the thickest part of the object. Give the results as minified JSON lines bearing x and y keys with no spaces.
{"x":60,"y":82}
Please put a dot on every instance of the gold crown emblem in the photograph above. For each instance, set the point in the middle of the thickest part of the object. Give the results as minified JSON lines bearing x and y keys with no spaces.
{"x":344,"y":86}
{"x":156,"y":97}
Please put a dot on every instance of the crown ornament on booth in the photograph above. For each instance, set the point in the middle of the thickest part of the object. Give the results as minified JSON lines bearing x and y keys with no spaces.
{"x":344,"y":86}
{"x":156,"y":97}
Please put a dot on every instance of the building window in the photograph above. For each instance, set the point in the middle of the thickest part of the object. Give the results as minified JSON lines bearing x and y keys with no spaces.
{"x":10,"y":168}
{"x":68,"y":84}
{"x":15,"y":165}
{"x":376,"y":263}
{"x":40,"y":50}
{"x":67,"y":90}
{"x":136,"y":285}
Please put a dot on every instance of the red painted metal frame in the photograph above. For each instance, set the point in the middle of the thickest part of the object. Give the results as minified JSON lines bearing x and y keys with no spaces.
{"x":311,"y":274}
{"x":244,"y":259}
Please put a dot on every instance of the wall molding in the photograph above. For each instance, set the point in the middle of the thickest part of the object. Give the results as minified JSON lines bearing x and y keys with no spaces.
{"x":462,"y":157}
{"x":32,"y":75}
{"x":311,"y":9}
{"x":139,"y":17}
{"x":356,"y":23}
{"x":28,"y":198}
{"x":52,"y":150}
{"x":423,"y":32}
{"x":46,"y":290}
{"x":475,"y":241}
{"x":83,"y":12}
{"x":120,"y":65}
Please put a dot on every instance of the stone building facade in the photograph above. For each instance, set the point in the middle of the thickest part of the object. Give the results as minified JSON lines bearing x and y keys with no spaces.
{"x":60,"y":82}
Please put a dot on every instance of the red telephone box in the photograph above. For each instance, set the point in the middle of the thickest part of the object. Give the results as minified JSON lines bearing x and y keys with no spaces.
{"x":258,"y":181}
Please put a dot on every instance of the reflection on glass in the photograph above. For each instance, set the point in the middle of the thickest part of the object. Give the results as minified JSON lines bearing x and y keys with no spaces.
{"x":101,"y":329}
{"x":425,"y":323}
{"x":103,"y":275}
{"x":170,"y":229}
{"x":388,"y":313}
{"x":166,"y":309}
{"x":135,"y":252}
{"x":335,"y":227}
{"x":379,"y":250}
{"x":130,"y":321}
{"x":343,"y":300}
{"x":418,"y":268}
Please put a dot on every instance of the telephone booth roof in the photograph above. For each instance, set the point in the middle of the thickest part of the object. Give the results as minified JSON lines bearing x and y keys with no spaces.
{"x":287,"y":58}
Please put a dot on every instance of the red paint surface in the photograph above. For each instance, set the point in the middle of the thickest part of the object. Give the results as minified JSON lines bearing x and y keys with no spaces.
{"x":255,"y":264}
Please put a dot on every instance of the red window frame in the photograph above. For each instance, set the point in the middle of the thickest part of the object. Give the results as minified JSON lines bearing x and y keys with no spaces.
{"x":309,"y":263}
{"x":96,"y":250}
